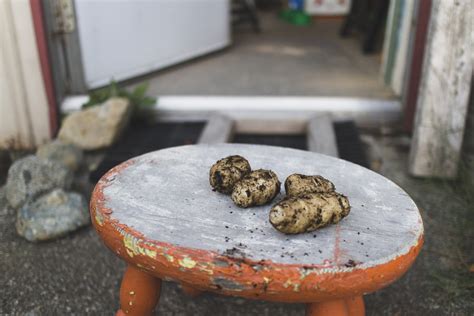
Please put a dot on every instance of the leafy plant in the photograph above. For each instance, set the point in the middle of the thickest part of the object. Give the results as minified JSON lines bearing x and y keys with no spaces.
{"x":138,"y":98}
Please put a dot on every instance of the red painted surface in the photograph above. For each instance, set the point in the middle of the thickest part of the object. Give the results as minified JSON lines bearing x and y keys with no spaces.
{"x":38,"y":22}
{"x":353,"y":306}
{"x":139,"y":293}
{"x":416,"y":64}
{"x":267,"y":280}
{"x":356,"y":306}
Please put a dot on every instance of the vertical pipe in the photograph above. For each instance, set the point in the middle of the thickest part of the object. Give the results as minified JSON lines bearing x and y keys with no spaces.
{"x":38,"y":23}
{"x":411,"y":97}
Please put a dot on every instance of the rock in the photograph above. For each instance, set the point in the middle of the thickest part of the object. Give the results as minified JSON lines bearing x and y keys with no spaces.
{"x":97,"y":127}
{"x":32,"y":176}
{"x":69,"y":155}
{"x":93,"y":159}
{"x":52,"y":215}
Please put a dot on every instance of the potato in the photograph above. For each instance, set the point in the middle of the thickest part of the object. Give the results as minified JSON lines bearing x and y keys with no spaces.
{"x":308,"y":212}
{"x":227,"y":171}
{"x":257,"y":188}
{"x":297,"y":184}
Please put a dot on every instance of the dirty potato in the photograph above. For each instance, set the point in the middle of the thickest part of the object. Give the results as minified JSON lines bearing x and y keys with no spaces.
{"x":257,"y":188}
{"x":227,"y":171}
{"x":309,"y":212}
{"x":297,"y":184}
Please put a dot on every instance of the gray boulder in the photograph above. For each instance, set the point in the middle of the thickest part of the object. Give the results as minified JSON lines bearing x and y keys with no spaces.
{"x":97,"y":127}
{"x":31,"y":176}
{"x":69,"y":155}
{"x":52,"y":215}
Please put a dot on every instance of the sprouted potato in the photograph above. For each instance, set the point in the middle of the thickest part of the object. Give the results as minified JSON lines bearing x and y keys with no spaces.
{"x":257,"y":188}
{"x":226,"y":172}
{"x":308,"y":212}
{"x":297,"y":184}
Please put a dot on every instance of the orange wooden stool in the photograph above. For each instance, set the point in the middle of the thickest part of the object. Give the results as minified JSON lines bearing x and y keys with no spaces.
{"x":158,"y":213}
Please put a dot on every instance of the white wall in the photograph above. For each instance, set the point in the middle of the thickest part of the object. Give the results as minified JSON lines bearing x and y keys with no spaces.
{"x":24,"y":113}
{"x":122,"y":39}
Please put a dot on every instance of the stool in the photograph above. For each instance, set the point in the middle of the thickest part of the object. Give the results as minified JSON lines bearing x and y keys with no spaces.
{"x":158,"y":213}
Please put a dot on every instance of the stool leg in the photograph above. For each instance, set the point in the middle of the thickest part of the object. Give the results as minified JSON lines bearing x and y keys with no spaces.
{"x":353,"y":306}
{"x":189,"y":290}
{"x":139,"y":293}
{"x":356,"y":305}
{"x":328,"y":308}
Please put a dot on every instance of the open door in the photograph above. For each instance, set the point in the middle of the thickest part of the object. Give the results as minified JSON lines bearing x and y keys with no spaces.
{"x":131,"y":38}
{"x":97,"y":41}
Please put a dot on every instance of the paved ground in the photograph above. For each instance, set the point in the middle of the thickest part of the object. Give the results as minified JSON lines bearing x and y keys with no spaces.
{"x":77,"y":275}
{"x":282,"y":60}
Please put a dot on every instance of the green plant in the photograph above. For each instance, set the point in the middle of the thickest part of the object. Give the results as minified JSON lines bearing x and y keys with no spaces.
{"x":138,"y":98}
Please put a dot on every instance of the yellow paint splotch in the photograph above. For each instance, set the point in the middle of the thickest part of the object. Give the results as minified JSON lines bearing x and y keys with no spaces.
{"x":99,"y":219}
{"x":134,"y":248}
{"x":168,"y":257}
{"x":187,"y":263}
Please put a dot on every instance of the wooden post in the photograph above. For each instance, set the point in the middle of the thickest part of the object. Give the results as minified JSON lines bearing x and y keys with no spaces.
{"x":219,"y":129}
{"x":444,"y":90}
{"x":321,"y":136}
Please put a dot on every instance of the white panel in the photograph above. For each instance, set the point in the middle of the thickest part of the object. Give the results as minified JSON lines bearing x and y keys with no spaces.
{"x":24,"y":112}
{"x":327,"y":7}
{"x":387,"y":38}
{"x":278,"y":115}
{"x":406,"y":30}
{"x":122,"y":39}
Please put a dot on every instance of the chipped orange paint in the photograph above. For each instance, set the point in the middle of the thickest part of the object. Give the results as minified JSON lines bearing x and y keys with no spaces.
{"x":211,"y":271}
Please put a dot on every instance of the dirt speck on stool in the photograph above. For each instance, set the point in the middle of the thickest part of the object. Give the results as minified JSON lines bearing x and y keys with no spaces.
{"x":234,"y":253}
{"x":350,"y":263}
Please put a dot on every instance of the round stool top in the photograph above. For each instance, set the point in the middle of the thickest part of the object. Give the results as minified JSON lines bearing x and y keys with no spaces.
{"x":158,"y":211}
